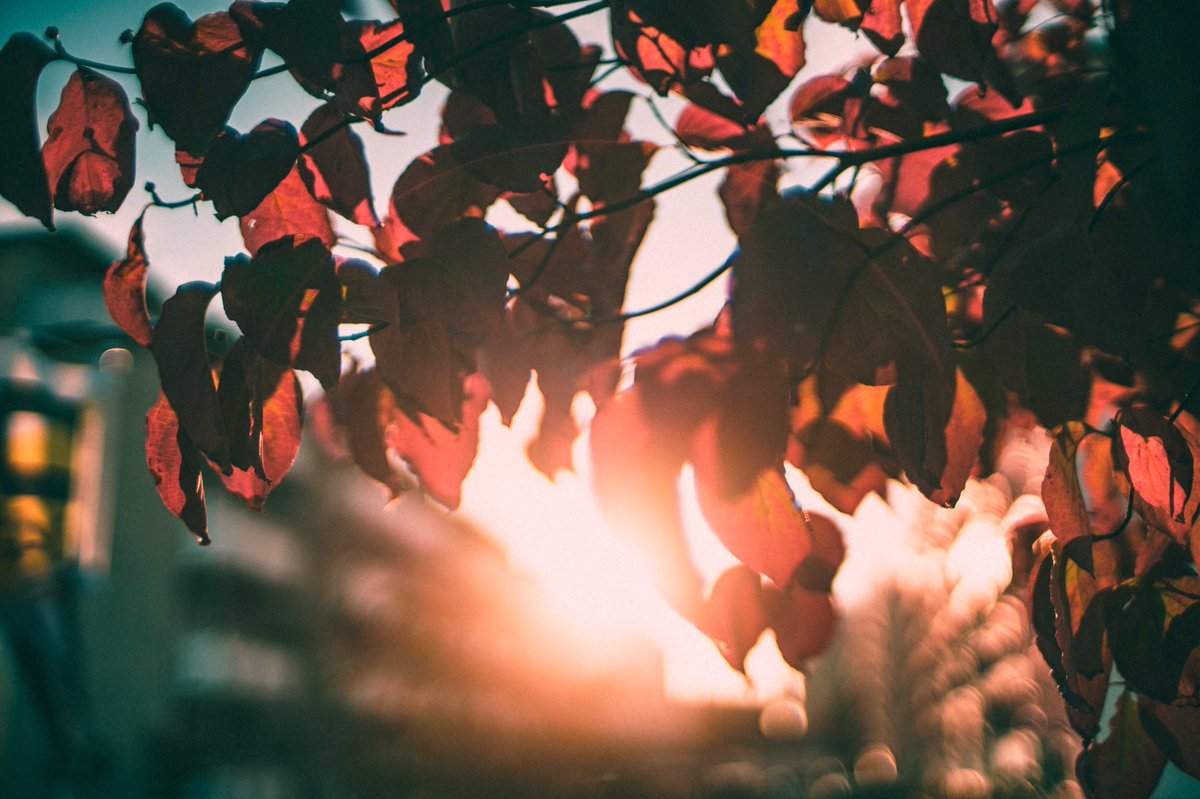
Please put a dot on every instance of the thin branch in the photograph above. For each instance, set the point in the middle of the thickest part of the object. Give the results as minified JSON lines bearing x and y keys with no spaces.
{"x":1183,"y":403}
{"x":682,"y":145}
{"x":982,"y":337}
{"x":363,"y":333}
{"x":159,"y":202}
{"x":63,"y":55}
{"x":678,"y":298}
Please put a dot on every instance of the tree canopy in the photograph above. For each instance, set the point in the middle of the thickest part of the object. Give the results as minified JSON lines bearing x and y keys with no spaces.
{"x":1020,"y":251}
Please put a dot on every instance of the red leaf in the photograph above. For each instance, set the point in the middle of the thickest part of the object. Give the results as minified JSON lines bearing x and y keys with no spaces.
{"x":289,"y":210}
{"x":882,"y":25}
{"x":1127,"y":763}
{"x":175,"y":464}
{"x":610,"y":172}
{"x":762,"y":527}
{"x":758,"y":75}
{"x":240,"y":171}
{"x":335,"y":170}
{"x":492,"y":52}
{"x":820,"y":566}
{"x":22,"y":173}
{"x":447,"y":304}
{"x":746,"y":190}
{"x":1155,"y":456}
{"x":266,"y":426}
{"x":397,"y":71}
{"x":364,"y":407}
{"x":936,"y":442}
{"x":734,"y":617}
{"x":89,"y":153}
{"x":179,"y":348}
{"x":192,"y":74}
{"x":433,"y":191}
{"x":1061,"y":491}
{"x":955,"y":36}
{"x":125,"y":288}
{"x":519,"y":157}
{"x":287,"y":300}
{"x":804,"y":622}
{"x":656,"y":58}
{"x":440,"y":457}
{"x":699,"y":127}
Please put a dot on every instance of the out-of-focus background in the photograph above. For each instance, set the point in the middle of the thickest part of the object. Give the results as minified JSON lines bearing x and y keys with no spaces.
{"x":334,"y":647}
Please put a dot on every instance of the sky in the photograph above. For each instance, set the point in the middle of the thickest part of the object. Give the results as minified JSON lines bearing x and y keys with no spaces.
{"x":551,"y":529}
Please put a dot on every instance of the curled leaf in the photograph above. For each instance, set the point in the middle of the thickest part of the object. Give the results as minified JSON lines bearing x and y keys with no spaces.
{"x":125,"y":288}
{"x":175,"y":463}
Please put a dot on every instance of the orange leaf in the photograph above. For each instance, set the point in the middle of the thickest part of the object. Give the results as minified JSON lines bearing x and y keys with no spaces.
{"x":125,"y":288}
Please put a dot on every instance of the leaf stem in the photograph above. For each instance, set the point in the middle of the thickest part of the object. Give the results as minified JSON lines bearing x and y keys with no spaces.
{"x":63,"y":55}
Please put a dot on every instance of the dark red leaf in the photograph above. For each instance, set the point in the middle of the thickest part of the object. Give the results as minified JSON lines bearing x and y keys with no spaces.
{"x":447,"y":305}
{"x":23,"y":179}
{"x":804,"y":622}
{"x":427,"y":27}
{"x":820,"y":566}
{"x":286,"y":300}
{"x":883,"y":26}
{"x":335,"y":170}
{"x":699,"y":127}
{"x":518,"y":158}
{"x":1127,"y":763}
{"x":396,"y":70}
{"x":180,"y":349}
{"x":609,"y":172}
{"x":125,"y":288}
{"x":733,"y":616}
{"x":365,"y":300}
{"x":89,"y":152}
{"x":433,"y":191}
{"x":175,"y":463}
{"x":492,"y":53}
{"x":1175,"y":729}
{"x":955,"y":36}
{"x":746,"y":190}
{"x":936,"y":442}
{"x":240,"y":171}
{"x":192,"y":74}
{"x":261,"y":402}
{"x":289,"y":210}
{"x":655,"y":57}
{"x":759,"y":71}
{"x":439,"y":456}
{"x":1061,"y":490}
{"x":364,"y":407}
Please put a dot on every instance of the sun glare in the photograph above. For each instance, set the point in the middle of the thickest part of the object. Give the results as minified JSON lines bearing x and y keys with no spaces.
{"x":594,"y":579}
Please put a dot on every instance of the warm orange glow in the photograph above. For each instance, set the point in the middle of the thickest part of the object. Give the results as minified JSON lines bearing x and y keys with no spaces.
{"x":595,"y":580}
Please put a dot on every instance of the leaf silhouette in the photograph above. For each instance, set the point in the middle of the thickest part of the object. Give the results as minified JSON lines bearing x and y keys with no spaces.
{"x":289,"y":210}
{"x":287,"y":301}
{"x":335,"y":170}
{"x":181,"y":352}
{"x":1127,"y":762}
{"x":365,"y":300}
{"x":192,"y":74}
{"x":125,"y":288}
{"x":433,"y":191}
{"x":759,"y":70}
{"x":804,"y":622}
{"x":23,"y":178}
{"x":261,"y":406}
{"x":363,"y":406}
{"x":240,"y":171}
{"x":427,"y":27}
{"x":175,"y":464}
{"x":89,"y":153}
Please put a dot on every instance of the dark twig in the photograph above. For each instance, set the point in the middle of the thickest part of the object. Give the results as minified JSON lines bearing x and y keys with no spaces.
{"x":61,"y":52}
{"x":363,"y":333}
{"x":1183,"y":403}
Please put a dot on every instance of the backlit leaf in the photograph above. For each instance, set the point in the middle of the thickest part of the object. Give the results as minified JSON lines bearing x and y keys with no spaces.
{"x":125,"y":288}
{"x":335,"y":170}
{"x":733,"y":616}
{"x":439,"y":456}
{"x":289,"y":210}
{"x":433,"y":191}
{"x":1061,"y":491}
{"x":89,"y":152}
{"x":192,"y":74}
{"x":364,"y":407}
{"x":180,"y":349}
{"x":1156,"y":456}
{"x":883,"y":26}
{"x":762,"y":527}
{"x":804,"y":622}
{"x":760,"y":73}
{"x":175,"y":464}
{"x":240,"y":171}
{"x":23,"y":180}
{"x":286,"y":300}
